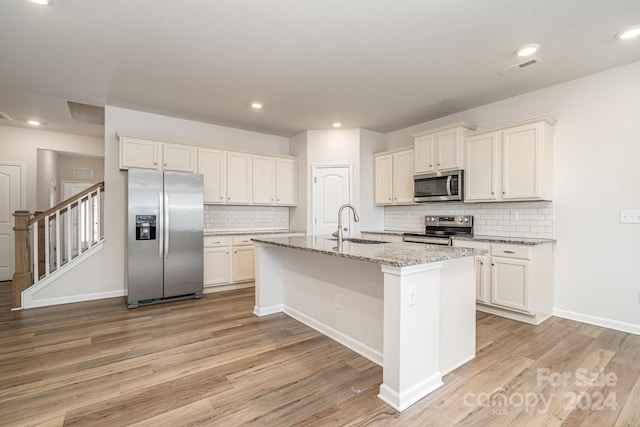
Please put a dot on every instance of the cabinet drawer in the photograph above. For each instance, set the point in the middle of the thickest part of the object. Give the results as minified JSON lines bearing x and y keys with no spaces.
{"x":511,"y":251}
{"x":214,"y":241}
{"x":242,"y":240}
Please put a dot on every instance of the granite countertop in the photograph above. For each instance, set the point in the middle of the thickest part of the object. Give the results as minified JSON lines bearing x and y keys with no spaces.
{"x":511,"y":240}
{"x":248,"y":232}
{"x":394,"y":254}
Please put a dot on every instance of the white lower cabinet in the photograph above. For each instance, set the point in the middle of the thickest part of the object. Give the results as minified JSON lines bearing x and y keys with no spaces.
{"x":227,"y":260}
{"x":514,"y":280}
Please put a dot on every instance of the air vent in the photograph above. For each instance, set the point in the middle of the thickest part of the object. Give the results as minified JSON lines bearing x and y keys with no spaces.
{"x":83,"y":173}
{"x":520,"y":66}
{"x":5,"y":116}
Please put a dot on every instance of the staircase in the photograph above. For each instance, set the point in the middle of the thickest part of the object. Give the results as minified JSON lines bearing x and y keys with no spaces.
{"x":53,"y":241}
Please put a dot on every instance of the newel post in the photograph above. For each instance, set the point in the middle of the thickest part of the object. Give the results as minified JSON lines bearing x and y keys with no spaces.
{"x":22,"y":276}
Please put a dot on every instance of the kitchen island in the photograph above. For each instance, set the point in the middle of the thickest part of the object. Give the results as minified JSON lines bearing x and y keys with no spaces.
{"x":408,"y":307}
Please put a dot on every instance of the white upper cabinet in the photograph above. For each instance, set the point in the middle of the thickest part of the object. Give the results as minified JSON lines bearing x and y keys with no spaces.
{"x":286,"y":181}
{"x":179,"y":157}
{"x":394,"y":177}
{"x":140,"y":153}
{"x":213,"y":165}
{"x":264,"y":180}
{"x":441,"y":149}
{"x":513,"y":162}
{"x":274,"y":181}
{"x":239,"y":177}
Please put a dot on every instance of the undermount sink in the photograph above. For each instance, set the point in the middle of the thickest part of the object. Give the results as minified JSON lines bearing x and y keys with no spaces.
{"x":365,"y":241}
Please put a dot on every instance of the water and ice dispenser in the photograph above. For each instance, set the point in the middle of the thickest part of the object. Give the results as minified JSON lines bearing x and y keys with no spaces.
{"x":145,"y":227}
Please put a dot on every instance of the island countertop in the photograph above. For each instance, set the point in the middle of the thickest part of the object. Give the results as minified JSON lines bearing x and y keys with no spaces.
{"x":395,"y":254}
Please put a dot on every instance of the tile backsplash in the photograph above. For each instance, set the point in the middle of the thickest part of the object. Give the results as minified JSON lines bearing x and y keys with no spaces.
{"x":534,"y":219}
{"x":240,"y":218}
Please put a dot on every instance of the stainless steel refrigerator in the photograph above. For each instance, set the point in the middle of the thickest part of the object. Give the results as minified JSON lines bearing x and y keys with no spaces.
{"x":164,"y":226}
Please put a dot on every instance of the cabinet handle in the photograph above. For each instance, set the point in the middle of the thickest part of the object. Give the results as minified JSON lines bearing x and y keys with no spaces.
{"x":155,"y":163}
{"x":431,"y":165}
{"x":481,"y":263}
{"x":493,"y":265}
{"x":492,"y":193}
{"x":227,"y":252}
{"x":235,"y":252}
{"x":220,"y":197}
{"x":277,"y":200}
{"x":165,"y":164}
{"x":389,"y":198}
{"x":509,"y":252}
{"x":504,"y":192}
{"x":438,"y":164}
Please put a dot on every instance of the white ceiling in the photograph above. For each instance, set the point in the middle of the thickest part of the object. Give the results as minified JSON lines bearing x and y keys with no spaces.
{"x":375,"y":64}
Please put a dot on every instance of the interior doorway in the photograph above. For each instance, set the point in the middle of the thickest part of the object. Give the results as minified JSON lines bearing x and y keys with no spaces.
{"x":11,"y":200}
{"x":331,"y":188}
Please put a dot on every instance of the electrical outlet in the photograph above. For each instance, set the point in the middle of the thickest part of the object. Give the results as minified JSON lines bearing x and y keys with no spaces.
{"x":514,"y":215}
{"x":412,"y":295}
{"x":629,"y":217}
{"x":337,"y":301}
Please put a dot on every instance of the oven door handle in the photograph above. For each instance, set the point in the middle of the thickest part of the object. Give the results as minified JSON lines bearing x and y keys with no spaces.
{"x":449,"y":185}
{"x":428,"y":240}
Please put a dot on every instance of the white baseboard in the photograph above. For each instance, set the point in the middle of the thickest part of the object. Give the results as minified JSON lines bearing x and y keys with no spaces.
{"x":265,"y":311}
{"x":401,"y":401}
{"x":76,"y":298}
{"x":357,"y":346}
{"x":223,"y":288}
{"x":598,"y":321}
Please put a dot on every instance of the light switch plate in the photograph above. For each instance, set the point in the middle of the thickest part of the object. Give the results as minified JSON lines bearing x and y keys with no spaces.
{"x":629,"y":217}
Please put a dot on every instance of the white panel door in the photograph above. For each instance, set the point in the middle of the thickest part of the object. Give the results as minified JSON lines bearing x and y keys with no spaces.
{"x":10,"y":201}
{"x":331,"y":189}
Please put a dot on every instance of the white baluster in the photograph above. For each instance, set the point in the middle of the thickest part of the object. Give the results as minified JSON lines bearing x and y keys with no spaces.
{"x":79,"y":226}
{"x":34,"y":230}
{"x":98,"y":212}
{"x":57,"y":242}
{"x":47,"y":267}
{"x":67,"y":233}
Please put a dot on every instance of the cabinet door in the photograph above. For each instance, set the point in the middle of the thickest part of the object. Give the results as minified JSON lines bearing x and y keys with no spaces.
{"x":243,"y":267}
{"x":424,"y":147}
{"x":139,"y":153}
{"x":217,"y":263}
{"x":448,"y":150}
{"x":178,"y":157}
{"x":212,"y":164}
{"x":511,"y":283}
{"x":481,"y":152}
{"x":384,"y":180}
{"x":286,"y":173}
{"x":403,"y":167}
{"x":264,"y":177}
{"x":521,"y":162}
{"x":238,"y":178}
{"x":481,"y":279}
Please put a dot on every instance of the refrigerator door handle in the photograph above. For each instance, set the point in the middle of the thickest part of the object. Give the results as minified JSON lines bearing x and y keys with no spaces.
{"x":160,"y":224}
{"x":166,"y":225}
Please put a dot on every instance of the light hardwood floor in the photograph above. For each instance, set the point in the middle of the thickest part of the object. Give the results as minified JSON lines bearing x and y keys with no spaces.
{"x":212,"y":362}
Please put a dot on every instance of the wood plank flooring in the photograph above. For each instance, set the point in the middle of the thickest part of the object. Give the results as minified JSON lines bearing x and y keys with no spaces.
{"x":211,"y":362}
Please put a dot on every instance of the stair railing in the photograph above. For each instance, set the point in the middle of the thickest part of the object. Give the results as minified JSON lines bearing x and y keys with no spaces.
{"x":64,"y":233}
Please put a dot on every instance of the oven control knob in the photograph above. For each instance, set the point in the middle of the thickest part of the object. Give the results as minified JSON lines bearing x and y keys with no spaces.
{"x":459,"y":219}
{"x":466,"y":220}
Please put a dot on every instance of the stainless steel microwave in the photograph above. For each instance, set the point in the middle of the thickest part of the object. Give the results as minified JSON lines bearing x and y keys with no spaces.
{"x":438,"y":186}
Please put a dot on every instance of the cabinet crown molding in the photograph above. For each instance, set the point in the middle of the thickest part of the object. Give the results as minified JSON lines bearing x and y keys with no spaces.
{"x":394,"y":150}
{"x":463,"y":125}
{"x":546,"y":119}
{"x":121,"y":135}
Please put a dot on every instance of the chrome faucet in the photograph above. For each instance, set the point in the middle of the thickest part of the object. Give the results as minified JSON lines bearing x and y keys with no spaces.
{"x":356,"y":218}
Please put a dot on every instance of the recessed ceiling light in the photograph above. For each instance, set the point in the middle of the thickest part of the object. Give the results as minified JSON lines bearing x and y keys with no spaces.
{"x":629,"y":33}
{"x":336,"y":124}
{"x":527,"y":50}
{"x":34,"y":122}
{"x":42,"y":2}
{"x":256,"y":105}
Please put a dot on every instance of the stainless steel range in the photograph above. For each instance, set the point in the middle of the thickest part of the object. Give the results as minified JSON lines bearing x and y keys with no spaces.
{"x":439,"y":230}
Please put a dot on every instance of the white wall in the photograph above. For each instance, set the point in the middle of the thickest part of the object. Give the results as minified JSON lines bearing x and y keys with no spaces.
{"x":46,"y":178}
{"x":298,"y":215}
{"x":371,"y":216}
{"x":21,"y":145}
{"x":597,"y":151}
{"x":104,"y":274}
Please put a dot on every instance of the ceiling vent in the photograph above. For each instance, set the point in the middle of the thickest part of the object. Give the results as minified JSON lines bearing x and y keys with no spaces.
{"x":525,"y":64}
{"x":5,"y":116}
